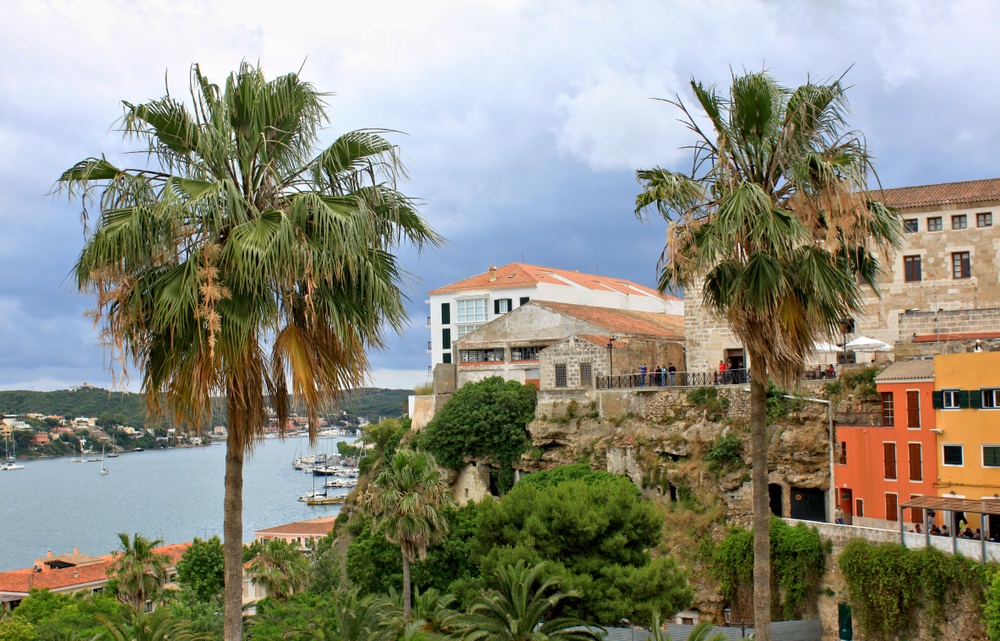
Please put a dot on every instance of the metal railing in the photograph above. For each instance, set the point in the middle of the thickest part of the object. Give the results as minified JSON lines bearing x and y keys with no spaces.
{"x":675,"y":379}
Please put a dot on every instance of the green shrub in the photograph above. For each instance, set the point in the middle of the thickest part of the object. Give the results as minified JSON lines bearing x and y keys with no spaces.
{"x":708,"y":399}
{"x":725,"y":455}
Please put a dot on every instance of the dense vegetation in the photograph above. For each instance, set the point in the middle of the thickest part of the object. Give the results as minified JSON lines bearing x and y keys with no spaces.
{"x":126,"y":408}
{"x":890,"y":584}
{"x":484,"y":421}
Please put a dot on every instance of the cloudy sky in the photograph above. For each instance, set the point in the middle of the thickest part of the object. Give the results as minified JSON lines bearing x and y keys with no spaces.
{"x":524,"y":120}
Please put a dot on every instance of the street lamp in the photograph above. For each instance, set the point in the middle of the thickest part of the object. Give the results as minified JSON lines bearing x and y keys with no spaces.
{"x":611,"y":357}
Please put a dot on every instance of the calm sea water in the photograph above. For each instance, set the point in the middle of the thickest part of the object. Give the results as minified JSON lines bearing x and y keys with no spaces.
{"x":172,"y":495}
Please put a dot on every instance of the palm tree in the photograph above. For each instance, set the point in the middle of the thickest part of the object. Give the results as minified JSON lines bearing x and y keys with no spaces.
{"x":405,"y":501}
{"x":700,"y":632}
{"x":777,"y":227}
{"x":519,"y":610}
{"x":240,"y":263}
{"x":355,"y":618}
{"x":280,"y":569}
{"x":158,"y":626}
{"x":138,"y":570}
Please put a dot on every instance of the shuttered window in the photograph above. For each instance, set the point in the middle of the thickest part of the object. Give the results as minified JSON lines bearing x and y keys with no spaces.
{"x":560,"y":376}
{"x":891,"y":511}
{"x":889,"y":460}
{"x":916,"y":462}
{"x":912,"y":408}
{"x":586,"y":375}
{"x":446,"y":313}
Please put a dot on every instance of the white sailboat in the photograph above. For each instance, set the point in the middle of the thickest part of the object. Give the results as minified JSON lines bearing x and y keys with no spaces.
{"x":104,"y":470}
{"x":10,"y":460}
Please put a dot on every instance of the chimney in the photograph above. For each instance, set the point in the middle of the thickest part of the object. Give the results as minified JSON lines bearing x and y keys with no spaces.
{"x":49,"y":555}
{"x":493,"y":273}
{"x":76,"y":550}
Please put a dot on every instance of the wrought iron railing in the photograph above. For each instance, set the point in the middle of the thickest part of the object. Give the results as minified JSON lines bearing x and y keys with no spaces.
{"x":675,"y":379}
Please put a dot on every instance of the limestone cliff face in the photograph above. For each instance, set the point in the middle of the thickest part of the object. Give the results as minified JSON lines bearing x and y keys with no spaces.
{"x":647,"y":433}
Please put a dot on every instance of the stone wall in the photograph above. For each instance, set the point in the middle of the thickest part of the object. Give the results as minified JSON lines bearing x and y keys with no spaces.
{"x":963,"y":618}
{"x":708,"y":337}
{"x":572,"y":352}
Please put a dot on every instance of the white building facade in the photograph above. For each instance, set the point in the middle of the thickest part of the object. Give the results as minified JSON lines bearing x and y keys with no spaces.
{"x":466,"y":305}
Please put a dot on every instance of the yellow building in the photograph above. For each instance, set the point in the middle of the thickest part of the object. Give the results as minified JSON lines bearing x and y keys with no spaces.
{"x":967,"y":408}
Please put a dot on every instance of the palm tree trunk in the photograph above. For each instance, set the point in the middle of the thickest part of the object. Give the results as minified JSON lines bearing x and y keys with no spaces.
{"x":407,"y":614}
{"x":233,"y":534}
{"x":761,"y":506}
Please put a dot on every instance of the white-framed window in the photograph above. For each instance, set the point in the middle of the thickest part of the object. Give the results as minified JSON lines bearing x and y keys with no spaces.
{"x":952,"y":455}
{"x":471,"y":310}
{"x":949,"y":399}
{"x":991,"y":455}
{"x":462,"y":330}
{"x":991,"y":399}
{"x":503,"y":305}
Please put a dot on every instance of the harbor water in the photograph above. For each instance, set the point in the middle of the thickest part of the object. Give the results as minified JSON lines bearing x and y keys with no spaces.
{"x":172,"y":495}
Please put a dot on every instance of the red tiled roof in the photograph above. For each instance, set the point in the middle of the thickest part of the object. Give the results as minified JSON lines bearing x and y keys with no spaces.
{"x":961,"y":336}
{"x":968,"y":192}
{"x":601,"y":340}
{"x":907,"y":371}
{"x":517,"y":275}
{"x":313,"y":527}
{"x":90,"y":570}
{"x":623,"y":321}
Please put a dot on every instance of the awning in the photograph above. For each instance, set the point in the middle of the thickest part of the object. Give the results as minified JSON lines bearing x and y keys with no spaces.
{"x":865,"y":344}
{"x":974,"y":506}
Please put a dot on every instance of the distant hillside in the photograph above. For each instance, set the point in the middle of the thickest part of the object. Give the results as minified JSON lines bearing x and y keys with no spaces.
{"x":370,"y":403}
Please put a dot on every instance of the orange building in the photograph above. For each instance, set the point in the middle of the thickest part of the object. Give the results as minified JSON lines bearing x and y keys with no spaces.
{"x":70,"y":573}
{"x":879,"y":467}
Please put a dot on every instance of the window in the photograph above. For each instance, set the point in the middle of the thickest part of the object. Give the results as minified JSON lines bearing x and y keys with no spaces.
{"x":891,"y":510}
{"x":446,"y":338}
{"x":889,"y":460}
{"x":934,"y":224}
{"x":501,"y":305}
{"x":586,"y":375}
{"x":991,"y":399}
{"x":859,"y":508}
{"x":911,"y":269}
{"x":524,"y":299}
{"x":842,"y":453}
{"x":446,"y":357}
{"x":991,"y":456}
{"x":952,"y":455}
{"x":482,"y":355}
{"x":462,"y":330}
{"x":916,"y":451}
{"x":916,"y":514}
{"x":524,"y":353}
{"x":949,"y":399}
{"x":472,"y":310}
{"x":911,"y":225}
{"x":959,"y":222}
{"x":984,"y":220}
{"x":560,"y":376}
{"x":960,"y":265}
{"x":912,"y":408}
{"x":446,"y":313}
{"x":888,"y":418}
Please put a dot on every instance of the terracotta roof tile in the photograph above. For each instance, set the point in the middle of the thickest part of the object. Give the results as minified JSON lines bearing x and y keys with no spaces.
{"x":313,"y":527}
{"x":517,"y":275}
{"x":968,"y":192}
{"x":624,"y":321}
{"x":94,"y":570}
{"x":907,"y":371}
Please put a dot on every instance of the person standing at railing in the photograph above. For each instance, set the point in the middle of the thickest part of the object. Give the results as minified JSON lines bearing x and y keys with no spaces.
{"x":722,"y":372}
{"x":671,"y":373}
{"x":642,"y":375}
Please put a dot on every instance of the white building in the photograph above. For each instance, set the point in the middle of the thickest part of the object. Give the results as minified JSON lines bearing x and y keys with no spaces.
{"x":461,"y":307}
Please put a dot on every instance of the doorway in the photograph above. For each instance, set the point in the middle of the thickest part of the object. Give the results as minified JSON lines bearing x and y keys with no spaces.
{"x":735,"y":359}
{"x":847,"y":505}
{"x":808,"y":504}
{"x":774,"y":497}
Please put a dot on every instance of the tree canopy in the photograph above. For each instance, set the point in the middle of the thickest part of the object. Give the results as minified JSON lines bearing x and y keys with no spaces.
{"x":485,"y":421}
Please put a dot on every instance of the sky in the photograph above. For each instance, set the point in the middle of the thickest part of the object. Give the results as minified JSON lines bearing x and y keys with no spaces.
{"x":521,"y":122}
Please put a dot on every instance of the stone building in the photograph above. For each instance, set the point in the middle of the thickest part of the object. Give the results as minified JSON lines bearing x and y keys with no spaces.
{"x":466,"y":305}
{"x":949,"y":262}
{"x":558,"y":345}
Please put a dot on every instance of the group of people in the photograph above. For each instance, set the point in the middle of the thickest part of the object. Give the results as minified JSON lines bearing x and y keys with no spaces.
{"x":658,"y":376}
{"x":963,"y":531}
{"x":820,"y":373}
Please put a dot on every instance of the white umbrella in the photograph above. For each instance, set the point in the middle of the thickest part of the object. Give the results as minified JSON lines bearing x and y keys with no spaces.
{"x":865,"y":344}
{"x":823,"y":347}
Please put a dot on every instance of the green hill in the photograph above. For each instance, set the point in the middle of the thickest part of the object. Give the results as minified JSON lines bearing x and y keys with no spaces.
{"x":370,"y":403}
